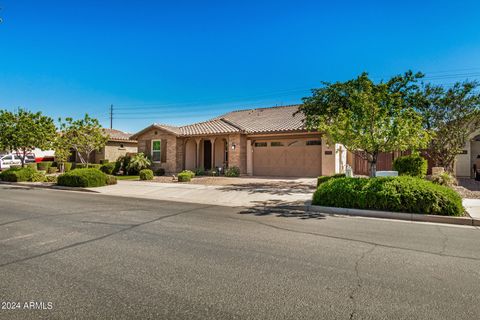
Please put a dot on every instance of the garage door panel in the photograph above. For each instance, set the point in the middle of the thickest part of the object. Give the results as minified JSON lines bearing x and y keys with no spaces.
{"x":292,"y":159}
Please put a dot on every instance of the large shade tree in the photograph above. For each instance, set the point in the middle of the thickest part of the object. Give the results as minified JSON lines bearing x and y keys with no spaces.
{"x":84,"y":135}
{"x":452,"y":115}
{"x":23,"y":131}
{"x":367,"y":117}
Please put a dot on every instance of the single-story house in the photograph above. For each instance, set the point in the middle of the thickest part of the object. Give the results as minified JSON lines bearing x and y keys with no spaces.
{"x":118,"y":144}
{"x":465,"y":161}
{"x":261,"y":142}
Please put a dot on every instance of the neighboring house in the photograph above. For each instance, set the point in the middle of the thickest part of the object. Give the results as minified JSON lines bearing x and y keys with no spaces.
{"x":119,"y":144}
{"x":261,"y":142}
{"x":464,"y":162}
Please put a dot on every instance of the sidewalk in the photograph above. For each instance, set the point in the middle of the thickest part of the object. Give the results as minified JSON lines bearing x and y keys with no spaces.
{"x":236,"y":195}
{"x":473,"y":207}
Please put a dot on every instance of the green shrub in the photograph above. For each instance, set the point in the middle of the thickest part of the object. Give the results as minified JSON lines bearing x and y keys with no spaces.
{"x":67,"y":166}
{"x":38,"y":177}
{"x":32,"y":165}
{"x":400,"y":194}
{"x":104,"y":161}
{"x":444,"y":179}
{"x":412,"y":165}
{"x":83,"y":178}
{"x":184,"y":177}
{"x":189,"y":172}
{"x":146,"y":174}
{"x":51,"y":179}
{"x":52,"y":170}
{"x":118,"y":165}
{"x":137,"y":163}
{"x":108,"y":167}
{"x":160,"y":172}
{"x":323,"y":179}
{"x":44,"y":165}
{"x":232,"y":172}
{"x":18,"y":174}
{"x":88,"y":166}
{"x":110,"y":179}
{"x":200,"y":171}
{"x":80,"y":165}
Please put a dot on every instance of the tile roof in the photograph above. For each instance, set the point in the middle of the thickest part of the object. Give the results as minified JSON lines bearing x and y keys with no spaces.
{"x":117,"y":135}
{"x":216,"y":126}
{"x":264,"y":120}
{"x":261,"y":120}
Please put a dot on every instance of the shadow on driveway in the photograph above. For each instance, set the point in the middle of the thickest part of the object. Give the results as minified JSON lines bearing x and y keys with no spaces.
{"x":274,"y":188}
{"x":284,"y":209}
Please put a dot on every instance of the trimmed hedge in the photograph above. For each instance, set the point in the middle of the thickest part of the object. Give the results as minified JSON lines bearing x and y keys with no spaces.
{"x":90,"y":177}
{"x":399,"y":194}
{"x":44,"y":165}
{"x":185,"y":176}
{"x":412,"y":165}
{"x":323,"y":179}
{"x":146,"y":174}
{"x":232,"y":172}
{"x":18,"y":174}
{"x":108,"y":167}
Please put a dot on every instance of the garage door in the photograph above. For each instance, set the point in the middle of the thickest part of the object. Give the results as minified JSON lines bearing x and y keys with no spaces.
{"x":287,"y":157}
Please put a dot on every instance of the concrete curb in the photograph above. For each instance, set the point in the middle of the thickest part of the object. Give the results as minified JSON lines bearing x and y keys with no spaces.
{"x":466,"y":221}
{"x":41,"y":185}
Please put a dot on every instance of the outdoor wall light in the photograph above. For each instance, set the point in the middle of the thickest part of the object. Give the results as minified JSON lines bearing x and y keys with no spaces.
{"x":234,"y":146}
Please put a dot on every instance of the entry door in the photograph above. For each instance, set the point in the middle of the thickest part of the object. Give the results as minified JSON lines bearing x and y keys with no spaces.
{"x":207,"y":154}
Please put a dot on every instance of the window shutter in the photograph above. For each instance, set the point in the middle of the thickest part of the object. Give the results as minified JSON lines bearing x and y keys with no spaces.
{"x":163,"y":157}
{"x":148,"y":148}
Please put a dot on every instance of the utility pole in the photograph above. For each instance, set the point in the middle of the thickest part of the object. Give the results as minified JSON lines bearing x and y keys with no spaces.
{"x":111,"y":116}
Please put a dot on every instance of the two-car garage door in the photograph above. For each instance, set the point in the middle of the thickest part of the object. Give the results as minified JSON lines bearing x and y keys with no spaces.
{"x":287,"y":157}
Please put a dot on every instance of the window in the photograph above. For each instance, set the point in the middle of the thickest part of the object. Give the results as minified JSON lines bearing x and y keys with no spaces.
{"x":276,"y":144}
{"x":156,"y":150}
{"x":260,"y":144}
{"x":314,"y":142}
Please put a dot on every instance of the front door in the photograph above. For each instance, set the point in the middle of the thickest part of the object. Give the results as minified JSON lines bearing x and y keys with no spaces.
{"x":207,"y":154}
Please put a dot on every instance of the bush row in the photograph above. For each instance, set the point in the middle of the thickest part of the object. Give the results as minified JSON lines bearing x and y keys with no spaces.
{"x":85,"y":177}
{"x":400,"y":194}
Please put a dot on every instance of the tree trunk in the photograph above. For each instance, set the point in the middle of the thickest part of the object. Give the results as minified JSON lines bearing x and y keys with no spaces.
{"x":373,"y":165}
{"x":23,"y":158}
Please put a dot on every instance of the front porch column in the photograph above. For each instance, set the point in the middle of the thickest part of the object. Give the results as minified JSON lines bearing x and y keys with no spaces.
{"x":212,"y":141}
{"x":197,"y":153}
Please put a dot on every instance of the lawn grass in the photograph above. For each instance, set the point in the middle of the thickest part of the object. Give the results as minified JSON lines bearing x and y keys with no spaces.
{"x":128,"y":177}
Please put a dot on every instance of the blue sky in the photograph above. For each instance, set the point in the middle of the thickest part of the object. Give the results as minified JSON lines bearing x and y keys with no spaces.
{"x":183,"y":61}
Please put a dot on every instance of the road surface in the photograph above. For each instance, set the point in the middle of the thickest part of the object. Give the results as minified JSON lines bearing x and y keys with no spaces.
{"x":66,"y":255}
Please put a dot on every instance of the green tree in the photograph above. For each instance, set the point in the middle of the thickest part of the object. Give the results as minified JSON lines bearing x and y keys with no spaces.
{"x":23,"y":131}
{"x":366,"y":117}
{"x":137,"y":163}
{"x":62,"y":147}
{"x":84,"y":135}
{"x":452,"y":115}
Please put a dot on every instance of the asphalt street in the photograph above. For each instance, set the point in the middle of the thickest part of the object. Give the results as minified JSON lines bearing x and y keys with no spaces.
{"x":73,"y":255}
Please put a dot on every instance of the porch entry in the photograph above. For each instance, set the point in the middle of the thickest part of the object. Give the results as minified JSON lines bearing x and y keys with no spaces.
{"x":207,"y":154}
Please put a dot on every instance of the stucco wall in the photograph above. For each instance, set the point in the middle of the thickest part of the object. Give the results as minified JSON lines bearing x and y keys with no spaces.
{"x":114,"y":150}
{"x":464,"y":162}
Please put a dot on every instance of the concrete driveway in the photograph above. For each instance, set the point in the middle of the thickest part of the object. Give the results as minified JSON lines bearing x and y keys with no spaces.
{"x":238,"y":193}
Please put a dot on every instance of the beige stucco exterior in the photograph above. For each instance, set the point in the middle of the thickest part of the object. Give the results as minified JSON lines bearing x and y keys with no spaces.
{"x":229,"y":150}
{"x":464,"y":162}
